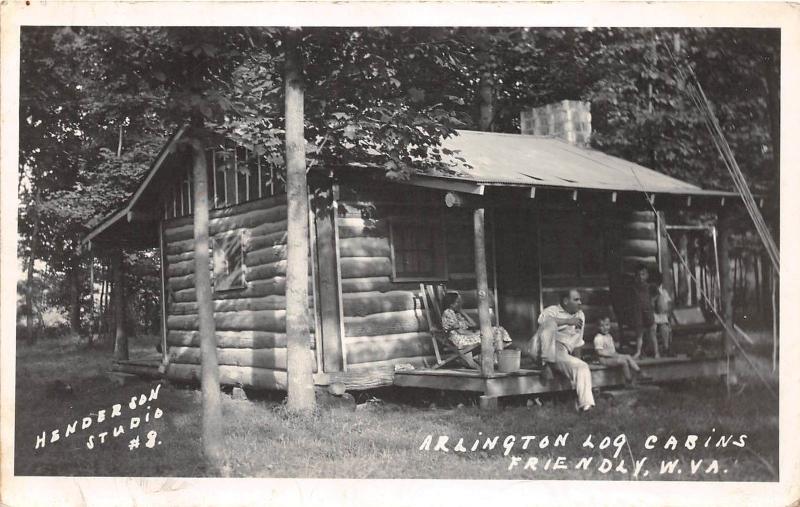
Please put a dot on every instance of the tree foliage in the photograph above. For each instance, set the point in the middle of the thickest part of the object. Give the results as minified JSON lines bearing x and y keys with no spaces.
{"x":641,"y":111}
{"x":381,"y":98}
{"x":371,"y":97}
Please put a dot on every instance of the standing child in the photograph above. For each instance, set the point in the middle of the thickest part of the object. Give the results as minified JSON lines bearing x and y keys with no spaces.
{"x":643,"y":313}
{"x":662,"y":303}
{"x":607,"y":351}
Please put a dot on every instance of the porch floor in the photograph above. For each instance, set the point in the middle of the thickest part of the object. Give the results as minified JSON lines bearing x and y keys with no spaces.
{"x":524,"y":381}
{"x":147,"y":366}
{"x":531,"y":381}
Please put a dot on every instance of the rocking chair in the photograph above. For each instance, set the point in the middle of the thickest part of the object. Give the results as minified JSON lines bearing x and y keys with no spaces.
{"x":431,"y":296}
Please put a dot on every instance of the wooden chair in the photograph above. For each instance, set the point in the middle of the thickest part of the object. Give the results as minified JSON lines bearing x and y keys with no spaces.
{"x":445,"y":350}
{"x":692,"y":322}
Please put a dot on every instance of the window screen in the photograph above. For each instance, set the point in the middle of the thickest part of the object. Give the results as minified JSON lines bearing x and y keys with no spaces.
{"x":417,"y":249}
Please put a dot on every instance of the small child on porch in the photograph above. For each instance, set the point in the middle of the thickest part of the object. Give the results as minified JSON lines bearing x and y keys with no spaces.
{"x":607,"y":351}
{"x":662,"y":303}
{"x":643,"y":313}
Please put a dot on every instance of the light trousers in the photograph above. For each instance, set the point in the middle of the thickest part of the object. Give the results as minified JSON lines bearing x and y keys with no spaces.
{"x":578,"y":373}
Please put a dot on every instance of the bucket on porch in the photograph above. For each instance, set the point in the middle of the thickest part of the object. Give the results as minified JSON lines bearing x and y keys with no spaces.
{"x":508,"y":360}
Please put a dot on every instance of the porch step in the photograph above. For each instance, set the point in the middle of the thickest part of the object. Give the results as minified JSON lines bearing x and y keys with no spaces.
{"x":120,"y":378}
{"x":616,"y":392}
{"x":146,"y":369}
{"x":631,"y":394}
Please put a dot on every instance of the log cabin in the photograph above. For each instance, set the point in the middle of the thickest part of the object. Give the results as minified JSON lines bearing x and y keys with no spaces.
{"x":553,"y":214}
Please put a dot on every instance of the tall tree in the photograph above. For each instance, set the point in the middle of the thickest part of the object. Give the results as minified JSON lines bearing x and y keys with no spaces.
{"x":68,"y":117}
{"x":299,"y":362}
{"x":209,"y":380}
{"x":49,"y":146}
{"x":34,"y":240}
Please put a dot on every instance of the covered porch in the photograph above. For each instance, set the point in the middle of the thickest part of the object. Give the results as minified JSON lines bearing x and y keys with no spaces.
{"x":573,"y":218}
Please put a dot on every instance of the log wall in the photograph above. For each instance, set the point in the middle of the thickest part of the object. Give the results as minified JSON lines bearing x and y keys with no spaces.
{"x":384,"y":319}
{"x":639,"y":241}
{"x":250,"y":321}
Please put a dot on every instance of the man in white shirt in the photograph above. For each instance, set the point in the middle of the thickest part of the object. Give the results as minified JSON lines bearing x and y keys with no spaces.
{"x":560,"y":335}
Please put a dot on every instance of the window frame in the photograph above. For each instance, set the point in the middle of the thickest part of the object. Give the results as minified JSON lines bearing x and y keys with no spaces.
{"x":439,"y":259}
{"x":578,"y":275}
{"x":215,"y":243}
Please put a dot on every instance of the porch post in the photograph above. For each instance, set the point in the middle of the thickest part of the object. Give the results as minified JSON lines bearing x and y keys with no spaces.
{"x":163,"y":272}
{"x":325,"y":234}
{"x":487,"y":338}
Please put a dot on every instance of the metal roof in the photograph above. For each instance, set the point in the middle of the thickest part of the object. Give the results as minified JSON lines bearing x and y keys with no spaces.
{"x":526,"y":160}
{"x":500,"y":160}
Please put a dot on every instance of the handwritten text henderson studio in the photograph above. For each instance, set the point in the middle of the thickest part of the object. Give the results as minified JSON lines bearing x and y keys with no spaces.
{"x":116,"y":411}
{"x":512,"y":445}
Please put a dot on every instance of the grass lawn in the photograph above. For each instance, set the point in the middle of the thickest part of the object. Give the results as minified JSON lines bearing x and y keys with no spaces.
{"x":383,"y":436}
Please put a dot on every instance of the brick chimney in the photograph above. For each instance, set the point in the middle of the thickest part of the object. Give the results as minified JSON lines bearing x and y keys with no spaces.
{"x":570,"y":120}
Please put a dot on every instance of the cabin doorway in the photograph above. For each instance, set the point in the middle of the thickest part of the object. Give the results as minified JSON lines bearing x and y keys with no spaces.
{"x":517,"y":270}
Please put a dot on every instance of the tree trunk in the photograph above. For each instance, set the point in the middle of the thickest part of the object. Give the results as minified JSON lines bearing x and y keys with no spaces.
{"x":209,"y":376}
{"x":31,"y":261}
{"x":120,"y":338}
{"x":300,"y":389}
{"x":75,"y":299}
{"x":486,"y":92}
{"x":91,"y":301}
{"x":105,"y":320}
{"x":101,"y":310}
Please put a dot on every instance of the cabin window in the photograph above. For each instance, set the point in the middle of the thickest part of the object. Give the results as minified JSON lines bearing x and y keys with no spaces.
{"x":227,"y":259}
{"x":572,"y":246}
{"x":418,"y":251}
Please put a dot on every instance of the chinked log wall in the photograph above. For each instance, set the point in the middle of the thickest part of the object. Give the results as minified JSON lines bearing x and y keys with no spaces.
{"x":384,"y":320}
{"x":250,"y":321}
{"x":639,"y":241}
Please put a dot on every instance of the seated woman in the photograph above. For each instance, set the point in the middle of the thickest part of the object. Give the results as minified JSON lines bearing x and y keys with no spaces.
{"x":461,"y":330}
